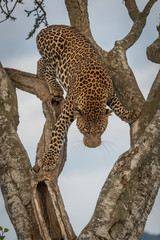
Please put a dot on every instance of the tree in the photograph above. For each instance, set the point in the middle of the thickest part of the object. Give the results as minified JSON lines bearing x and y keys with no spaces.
{"x":131,"y":187}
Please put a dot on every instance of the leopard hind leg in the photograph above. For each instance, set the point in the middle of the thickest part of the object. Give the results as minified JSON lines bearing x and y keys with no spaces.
{"x":47,"y":72}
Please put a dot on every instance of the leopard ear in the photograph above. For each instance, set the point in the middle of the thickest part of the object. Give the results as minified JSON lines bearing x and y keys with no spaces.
{"x":77,"y":112}
{"x":108,"y":112}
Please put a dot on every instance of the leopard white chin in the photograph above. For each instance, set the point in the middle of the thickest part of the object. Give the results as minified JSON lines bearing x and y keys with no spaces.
{"x":92,"y":141}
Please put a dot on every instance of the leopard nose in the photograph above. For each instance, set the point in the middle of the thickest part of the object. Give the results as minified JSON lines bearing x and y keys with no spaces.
{"x":92,"y":141}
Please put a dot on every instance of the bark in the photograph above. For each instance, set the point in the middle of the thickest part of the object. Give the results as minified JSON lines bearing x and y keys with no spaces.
{"x":47,"y":202}
{"x":14,"y":165}
{"x":148,"y":111}
{"x":132,"y":8}
{"x":153,"y":51}
{"x":129,"y":192}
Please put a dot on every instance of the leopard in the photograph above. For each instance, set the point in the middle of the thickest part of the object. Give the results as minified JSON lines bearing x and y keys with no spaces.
{"x":69,"y":62}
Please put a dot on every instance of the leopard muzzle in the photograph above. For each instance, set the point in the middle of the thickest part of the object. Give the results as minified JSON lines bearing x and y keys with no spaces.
{"x":92,"y":141}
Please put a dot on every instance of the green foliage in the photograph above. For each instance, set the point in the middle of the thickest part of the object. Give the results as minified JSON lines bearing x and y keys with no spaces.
{"x":2,"y":232}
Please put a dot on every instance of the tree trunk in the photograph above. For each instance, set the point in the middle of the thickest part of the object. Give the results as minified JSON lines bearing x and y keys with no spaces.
{"x":14,"y":165}
{"x":128,"y":194}
{"x":45,"y":198}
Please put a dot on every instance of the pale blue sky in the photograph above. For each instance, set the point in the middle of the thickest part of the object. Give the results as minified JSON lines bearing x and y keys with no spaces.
{"x":86,"y":169}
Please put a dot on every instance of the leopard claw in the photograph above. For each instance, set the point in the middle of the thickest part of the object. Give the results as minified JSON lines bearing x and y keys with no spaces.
{"x":56,"y":99}
{"x":44,"y":164}
{"x":135,"y":113}
{"x":48,"y":167}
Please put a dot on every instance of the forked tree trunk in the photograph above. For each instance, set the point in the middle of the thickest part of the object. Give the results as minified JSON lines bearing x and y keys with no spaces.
{"x":33,"y":201}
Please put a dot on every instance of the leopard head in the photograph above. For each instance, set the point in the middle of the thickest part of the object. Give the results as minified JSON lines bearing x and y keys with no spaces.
{"x":92,"y":117}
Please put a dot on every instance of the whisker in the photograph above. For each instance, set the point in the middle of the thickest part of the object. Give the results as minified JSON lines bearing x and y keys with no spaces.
{"x":108,"y":145}
{"x":76,"y":145}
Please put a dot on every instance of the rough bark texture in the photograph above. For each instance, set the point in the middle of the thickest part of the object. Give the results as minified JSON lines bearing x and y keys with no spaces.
{"x":128,"y":194}
{"x":153,"y":51}
{"x":46,"y":199}
{"x":14,"y":165}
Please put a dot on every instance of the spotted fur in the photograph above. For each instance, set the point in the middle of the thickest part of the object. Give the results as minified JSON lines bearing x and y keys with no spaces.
{"x":69,"y":57}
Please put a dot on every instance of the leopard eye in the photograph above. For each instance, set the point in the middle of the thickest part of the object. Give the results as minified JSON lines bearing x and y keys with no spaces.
{"x":85,"y":130}
{"x":107,"y":111}
{"x":78,"y":112}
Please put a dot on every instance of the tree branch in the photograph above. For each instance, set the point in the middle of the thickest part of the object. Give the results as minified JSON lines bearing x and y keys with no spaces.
{"x":29,"y":82}
{"x":78,"y":15}
{"x":153,"y":51}
{"x":40,"y":16}
{"x":52,"y":219}
{"x":139,"y":24}
{"x":132,"y":8}
{"x":49,"y":208}
{"x":116,"y":60}
{"x":14,"y":165}
{"x":154,"y":92}
{"x":149,"y":110}
{"x":123,"y":78}
{"x":8,"y":12}
{"x":148,"y":7}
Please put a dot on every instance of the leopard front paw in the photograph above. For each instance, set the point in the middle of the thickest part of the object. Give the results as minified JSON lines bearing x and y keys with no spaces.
{"x":134,"y":115}
{"x":56,"y":99}
{"x":47,"y":163}
{"x":56,"y":92}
